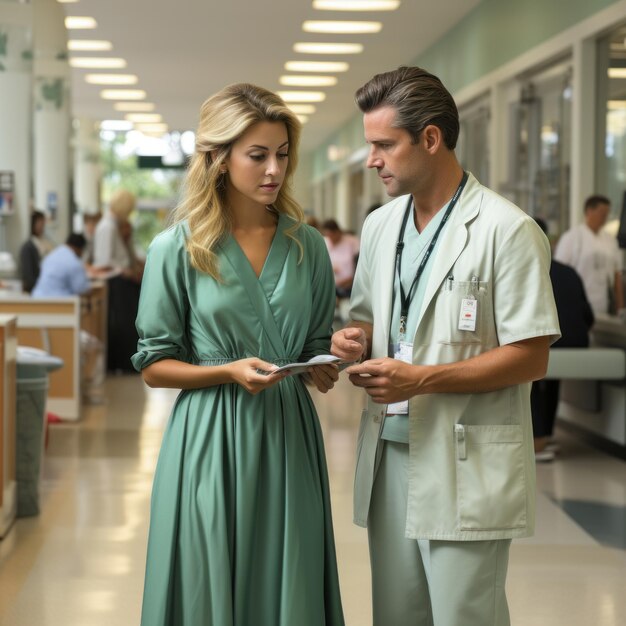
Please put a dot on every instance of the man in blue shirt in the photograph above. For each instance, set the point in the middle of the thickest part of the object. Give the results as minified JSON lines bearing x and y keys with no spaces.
{"x":63,"y":274}
{"x":62,"y":271}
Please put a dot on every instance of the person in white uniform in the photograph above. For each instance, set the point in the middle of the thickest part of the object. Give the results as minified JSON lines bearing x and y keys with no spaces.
{"x":595,"y":255}
{"x":452,"y":316}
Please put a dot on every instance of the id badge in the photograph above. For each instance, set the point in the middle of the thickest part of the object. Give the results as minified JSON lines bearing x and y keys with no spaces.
{"x":468,"y":314}
{"x":403,"y":351}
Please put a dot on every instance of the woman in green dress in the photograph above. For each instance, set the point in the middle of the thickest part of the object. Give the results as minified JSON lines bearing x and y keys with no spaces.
{"x":240,"y":531}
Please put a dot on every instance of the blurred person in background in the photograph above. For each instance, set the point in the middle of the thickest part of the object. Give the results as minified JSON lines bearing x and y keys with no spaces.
{"x":63,"y":274}
{"x":595,"y":256}
{"x":111,"y":251}
{"x":575,"y":319}
{"x":33,"y":250}
{"x":90,"y":221}
{"x":343,"y":249}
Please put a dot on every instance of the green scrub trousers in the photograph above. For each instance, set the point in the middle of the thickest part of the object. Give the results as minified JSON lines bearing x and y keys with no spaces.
{"x":423,"y":582}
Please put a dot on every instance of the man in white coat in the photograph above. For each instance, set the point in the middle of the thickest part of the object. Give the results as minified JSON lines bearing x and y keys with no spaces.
{"x":452,"y":317}
{"x":594,"y":254}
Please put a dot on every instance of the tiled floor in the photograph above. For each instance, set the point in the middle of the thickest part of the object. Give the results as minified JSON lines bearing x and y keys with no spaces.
{"x":80,"y":563}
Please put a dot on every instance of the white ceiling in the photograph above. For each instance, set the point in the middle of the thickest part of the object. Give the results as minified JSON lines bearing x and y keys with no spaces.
{"x":185,"y":50}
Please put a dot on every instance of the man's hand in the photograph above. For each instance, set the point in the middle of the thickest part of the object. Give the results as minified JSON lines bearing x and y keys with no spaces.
{"x":349,"y":344}
{"x":323,"y":377}
{"x":386,"y":380}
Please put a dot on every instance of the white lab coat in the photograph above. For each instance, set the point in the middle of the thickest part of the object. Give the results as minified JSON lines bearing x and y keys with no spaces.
{"x":475,"y":481}
{"x":596,"y":258}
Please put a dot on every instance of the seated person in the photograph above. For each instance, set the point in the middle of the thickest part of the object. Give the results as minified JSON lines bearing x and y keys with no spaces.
{"x":63,"y":274}
{"x":575,"y":319}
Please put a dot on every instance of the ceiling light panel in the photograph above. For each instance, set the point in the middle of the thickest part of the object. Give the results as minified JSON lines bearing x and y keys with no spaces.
{"x":123,"y":94}
{"x":117,"y":125}
{"x":617,"y":72}
{"x":111,"y":79}
{"x":306,"y":47}
{"x":328,"y":26}
{"x":303,"y":109}
{"x":316,"y":66}
{"x":302,"y":96}
{"x":356,"y":5}
{"x":75,"y":22}
{"x":295,"y":80}
{"x":97,"y":63}
{"x":144,"y":118}
{"x":152,"y":128}
{"x":89,"y":45}
{"x":141,"y":107}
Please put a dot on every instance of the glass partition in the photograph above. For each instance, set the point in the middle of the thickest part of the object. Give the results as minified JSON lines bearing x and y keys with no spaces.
{"x":610,"y":175}
{"x":540,"y":124}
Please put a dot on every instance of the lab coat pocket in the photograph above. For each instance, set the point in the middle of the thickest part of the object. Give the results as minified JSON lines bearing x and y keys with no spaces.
{"x":491,"y":484}
{"x":448,"y":312}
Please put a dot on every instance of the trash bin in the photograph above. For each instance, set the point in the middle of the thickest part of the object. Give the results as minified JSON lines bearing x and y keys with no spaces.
{"x":33,"y":366}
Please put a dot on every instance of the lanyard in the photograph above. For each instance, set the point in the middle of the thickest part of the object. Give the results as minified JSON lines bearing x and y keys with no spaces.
{"x":405,"y":299}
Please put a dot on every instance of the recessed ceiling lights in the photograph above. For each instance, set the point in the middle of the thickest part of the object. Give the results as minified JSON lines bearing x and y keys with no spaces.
{"x":152,"y":128}
{"x":316,"y":66}
{"x":307,"y":47}
{"x":134,"y":106}
{"x":616,"y":105}
{"x":617,"y":72}
{"x":123,"y":94}
{"x":80,"y":23}
{"x":89,"y":45}
{"x":118,"y":125}
{"x":302,"y":96}
{"x":307,"y":109}
{"x":328,"y":26}
{"x":144,"y":118}
{"x":98,"y":63}
{"x":294,"y":80}
{"x":356,"y":5}
{"x":111,"y":79}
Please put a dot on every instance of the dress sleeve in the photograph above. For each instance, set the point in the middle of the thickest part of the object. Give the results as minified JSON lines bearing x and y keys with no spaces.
{"x":163,"y":304}
{"x":322,"y":298}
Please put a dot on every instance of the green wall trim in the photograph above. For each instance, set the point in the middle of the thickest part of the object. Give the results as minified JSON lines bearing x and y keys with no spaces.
{"x":491,"y":35}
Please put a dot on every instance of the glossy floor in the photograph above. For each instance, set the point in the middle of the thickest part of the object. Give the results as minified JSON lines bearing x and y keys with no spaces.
{"x":81,"y":562}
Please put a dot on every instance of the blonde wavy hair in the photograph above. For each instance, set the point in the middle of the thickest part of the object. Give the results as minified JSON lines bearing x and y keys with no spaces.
{"x":224,"y":118}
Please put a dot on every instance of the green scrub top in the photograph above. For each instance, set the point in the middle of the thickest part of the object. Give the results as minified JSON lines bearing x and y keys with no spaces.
{"x":396,"y":427}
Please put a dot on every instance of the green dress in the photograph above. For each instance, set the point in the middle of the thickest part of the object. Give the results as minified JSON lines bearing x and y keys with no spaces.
{"x":240,"y":529}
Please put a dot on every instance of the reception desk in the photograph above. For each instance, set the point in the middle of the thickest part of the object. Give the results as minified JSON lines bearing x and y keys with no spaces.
{"x":593,"y":397}
{"x":8,"y":485}
{"x":54,"y":325}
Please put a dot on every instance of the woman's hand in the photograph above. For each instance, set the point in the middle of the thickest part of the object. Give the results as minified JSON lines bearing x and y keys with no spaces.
{"x":254,"y":374}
